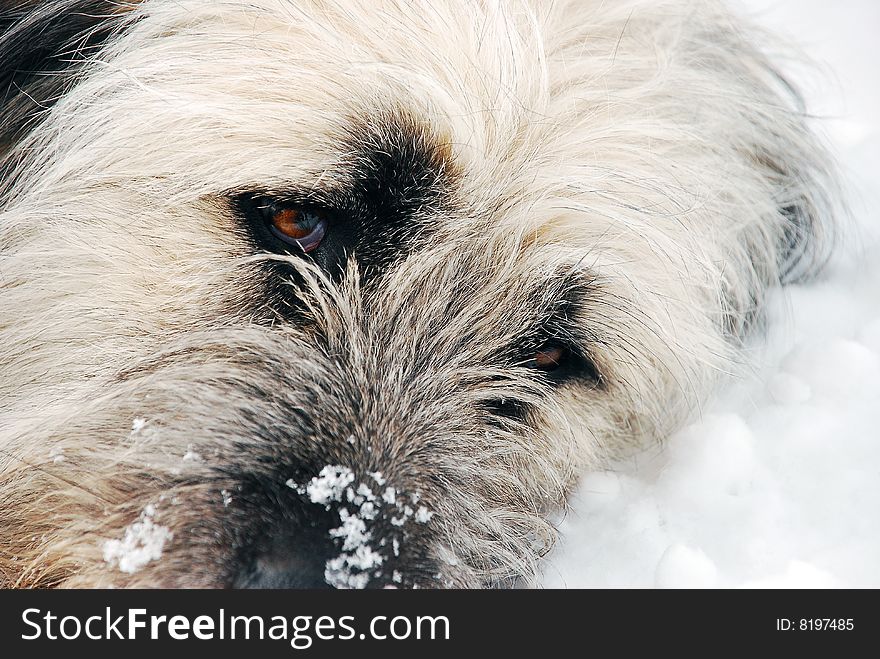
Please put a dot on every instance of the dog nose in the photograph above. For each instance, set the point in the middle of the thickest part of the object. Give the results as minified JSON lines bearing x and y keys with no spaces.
{"x":318,"y":547}
{"x":336,"y":529}
{"x":289,"y":561}
{"x":306,"y":561}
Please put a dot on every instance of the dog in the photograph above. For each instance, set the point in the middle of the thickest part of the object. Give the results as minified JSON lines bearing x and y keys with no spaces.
{"x":348,"y":293}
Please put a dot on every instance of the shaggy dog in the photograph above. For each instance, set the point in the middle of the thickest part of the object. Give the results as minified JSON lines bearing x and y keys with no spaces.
{"x":347,"y":293}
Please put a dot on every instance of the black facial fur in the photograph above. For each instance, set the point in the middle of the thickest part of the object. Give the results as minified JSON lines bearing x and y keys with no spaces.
{"x":397,"y":183}
{"x":557,"y":305}
{"x":403,"y":178}
{"x":553,"y":326}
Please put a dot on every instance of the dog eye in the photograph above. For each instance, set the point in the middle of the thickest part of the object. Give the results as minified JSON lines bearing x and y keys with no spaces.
{"x":301,"y":227}
{"x":548,"y":358}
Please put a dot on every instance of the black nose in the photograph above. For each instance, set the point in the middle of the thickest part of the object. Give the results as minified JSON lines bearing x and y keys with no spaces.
{"x":286,"y":544}
{"x":336,"y":529}
{"x":287,"y":562}
{"x":316,"y":546}
{"x":309,"y":559}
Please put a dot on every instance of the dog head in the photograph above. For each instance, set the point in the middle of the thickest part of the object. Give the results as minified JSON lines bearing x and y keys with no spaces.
{"x":345,"y":293}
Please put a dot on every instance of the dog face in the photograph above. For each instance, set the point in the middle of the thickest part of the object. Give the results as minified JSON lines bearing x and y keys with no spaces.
{"x":348,"y":293}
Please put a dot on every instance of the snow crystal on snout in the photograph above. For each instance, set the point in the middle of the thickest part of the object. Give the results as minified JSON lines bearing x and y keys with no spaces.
{"x":143,"y":542}
{"x":423,"y":515}
{"x":329,"y":485}
{"x":359,"y":507}
{"x":339,"y":571}
{"x":353,"y":531}
{"x":352,"y":568}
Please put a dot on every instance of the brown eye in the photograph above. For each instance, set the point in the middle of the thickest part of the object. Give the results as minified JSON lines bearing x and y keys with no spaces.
{"x":296,"y":226}
{"x":548,"y":358}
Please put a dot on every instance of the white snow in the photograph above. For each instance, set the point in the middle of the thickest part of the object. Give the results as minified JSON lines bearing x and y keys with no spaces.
{"x":352,"y":570}
{"x":143,"y":542}
{"x":423,"y":515}
{"x":365,"y":492}
{"x":777,"y":482}
{"x":191,"y":455}
{"x":353,"y":531}
{"x":358,"y":507}
{"x":389,"y":495}
{"x":329,"y":485}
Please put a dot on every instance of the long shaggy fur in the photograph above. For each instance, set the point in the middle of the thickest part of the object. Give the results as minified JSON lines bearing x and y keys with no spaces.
{"x":629,"y":176}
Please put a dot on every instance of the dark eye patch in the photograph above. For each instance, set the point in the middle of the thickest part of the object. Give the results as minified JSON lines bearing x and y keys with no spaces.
{"x":558,"y":359}
{"x":553,"y":345}
{"x":391,"y":188}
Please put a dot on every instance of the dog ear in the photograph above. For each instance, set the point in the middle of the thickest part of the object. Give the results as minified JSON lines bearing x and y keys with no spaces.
{"x":43,"y":45}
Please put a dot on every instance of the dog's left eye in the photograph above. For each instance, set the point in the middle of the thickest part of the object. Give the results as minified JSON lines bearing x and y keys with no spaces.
{"x":300,"y":227}
{"x":547,"y":358}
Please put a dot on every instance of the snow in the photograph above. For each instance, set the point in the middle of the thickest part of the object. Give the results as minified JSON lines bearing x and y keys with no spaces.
{"x":423,"y":515}
{"x":329,"y":485}
{"x":776,"y":484}
{"x":353,"y":531}
{"x":685,"y":567}
{"x":389,"y":495}
{"x":358,"y":507}
{"x":191,"y":455}
{"x":143,"y":542}
{"x":351,"y":569}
